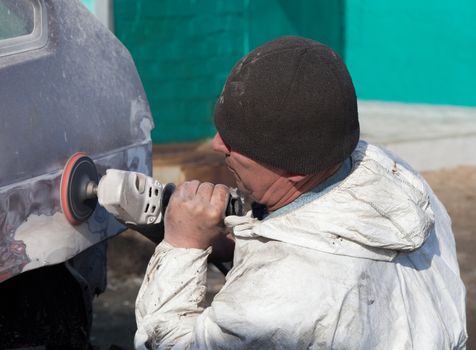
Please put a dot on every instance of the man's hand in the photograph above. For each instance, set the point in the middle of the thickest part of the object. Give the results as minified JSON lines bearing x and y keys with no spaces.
{"x":194,"y":216}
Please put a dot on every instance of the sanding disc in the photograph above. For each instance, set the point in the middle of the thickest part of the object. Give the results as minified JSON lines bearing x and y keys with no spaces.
{"x":78,"y":172}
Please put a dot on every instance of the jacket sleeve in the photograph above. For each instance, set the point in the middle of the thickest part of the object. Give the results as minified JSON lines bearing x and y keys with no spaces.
{"x":171,"y":296}
{"x":170,"y":311}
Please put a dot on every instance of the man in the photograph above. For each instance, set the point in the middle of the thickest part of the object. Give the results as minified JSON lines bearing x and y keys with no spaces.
{"x":355,"y":251}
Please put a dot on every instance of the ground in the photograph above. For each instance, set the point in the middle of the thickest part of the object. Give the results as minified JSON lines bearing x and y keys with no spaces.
{"x":128,"y":255}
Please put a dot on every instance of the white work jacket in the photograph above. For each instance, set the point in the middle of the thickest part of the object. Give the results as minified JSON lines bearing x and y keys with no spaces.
{"x":371,"y":264}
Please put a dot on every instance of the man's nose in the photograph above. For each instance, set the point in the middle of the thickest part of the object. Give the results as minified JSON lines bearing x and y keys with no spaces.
{"x":218,"y":144}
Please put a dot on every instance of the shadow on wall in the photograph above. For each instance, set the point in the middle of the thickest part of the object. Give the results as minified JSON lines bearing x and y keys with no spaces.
{"x":185,"y":50}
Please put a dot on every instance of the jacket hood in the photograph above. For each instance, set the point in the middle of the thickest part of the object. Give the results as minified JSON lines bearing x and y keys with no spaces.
{"x":380,"y":209}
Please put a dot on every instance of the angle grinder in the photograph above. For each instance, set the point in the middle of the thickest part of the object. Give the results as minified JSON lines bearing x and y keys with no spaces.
{"x":135,"y":199}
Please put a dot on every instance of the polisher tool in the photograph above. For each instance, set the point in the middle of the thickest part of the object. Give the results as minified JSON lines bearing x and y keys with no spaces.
{"x":78,"y":188}
{"x":133,"y":198}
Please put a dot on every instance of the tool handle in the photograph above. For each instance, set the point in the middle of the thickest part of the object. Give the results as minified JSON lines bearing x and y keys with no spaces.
{"x":233,"y":207}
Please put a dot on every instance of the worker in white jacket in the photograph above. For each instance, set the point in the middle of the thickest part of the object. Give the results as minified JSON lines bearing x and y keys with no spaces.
{"x":353,"y":251}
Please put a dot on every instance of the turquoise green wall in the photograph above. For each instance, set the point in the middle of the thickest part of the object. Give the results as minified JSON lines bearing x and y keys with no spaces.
{"x":406,"y":50}
{"x":184,"y":50}
{"x":321,"y":20}
{"x":412,"y":51}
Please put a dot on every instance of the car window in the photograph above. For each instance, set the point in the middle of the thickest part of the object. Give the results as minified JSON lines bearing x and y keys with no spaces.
{"x":22,"y":25}
{"x":16,"y":18}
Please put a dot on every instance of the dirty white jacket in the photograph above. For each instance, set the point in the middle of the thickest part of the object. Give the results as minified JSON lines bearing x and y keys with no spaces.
{"x":369,"y":265}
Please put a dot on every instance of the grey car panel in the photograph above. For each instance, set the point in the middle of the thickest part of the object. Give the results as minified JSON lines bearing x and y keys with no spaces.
{"x":76,"y":91}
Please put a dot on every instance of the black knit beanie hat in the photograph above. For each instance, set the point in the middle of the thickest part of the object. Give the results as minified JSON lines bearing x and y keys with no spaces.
{"x":291,"y":104}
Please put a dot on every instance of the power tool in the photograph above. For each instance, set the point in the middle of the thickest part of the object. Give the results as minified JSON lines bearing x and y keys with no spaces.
{"x":133,"y":198}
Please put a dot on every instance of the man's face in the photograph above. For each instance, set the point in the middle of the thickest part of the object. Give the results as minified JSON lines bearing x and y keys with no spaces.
{"x":251,"y":177}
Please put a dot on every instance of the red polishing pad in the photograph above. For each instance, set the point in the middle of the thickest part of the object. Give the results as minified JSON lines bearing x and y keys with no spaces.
{"x":78,"y":172}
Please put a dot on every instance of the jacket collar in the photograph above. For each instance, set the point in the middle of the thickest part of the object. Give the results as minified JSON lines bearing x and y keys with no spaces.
{"x":381,"y":209}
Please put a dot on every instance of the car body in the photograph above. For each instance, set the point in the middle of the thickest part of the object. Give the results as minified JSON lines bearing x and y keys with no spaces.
{"x":66,"y":85}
